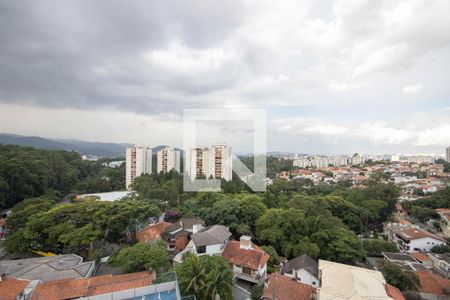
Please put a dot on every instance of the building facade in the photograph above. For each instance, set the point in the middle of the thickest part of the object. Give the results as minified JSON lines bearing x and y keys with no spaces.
{"x":447,"y":153}
{"x":168,"y":159}
{"x":138,"y":162}
{"x":215,"y":162}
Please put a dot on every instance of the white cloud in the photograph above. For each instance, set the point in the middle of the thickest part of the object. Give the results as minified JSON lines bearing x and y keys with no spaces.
{"x":376,"y":132}
{"x":381,"y":133}
{"x":412,"y":89}
{"x":308,"y":126}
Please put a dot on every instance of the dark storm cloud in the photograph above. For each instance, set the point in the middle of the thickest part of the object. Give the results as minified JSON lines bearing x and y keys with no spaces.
{"x":85,"y":54}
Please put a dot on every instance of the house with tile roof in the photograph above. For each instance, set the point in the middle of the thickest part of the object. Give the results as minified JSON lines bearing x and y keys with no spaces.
{"x":394,"y":292}
{"x":303,"y":268}
{"x":152,"y":232}
{"x":140,"y":285}
{"x":340,"y":281}
{"x":411,"y":238}
{"x":249,"y":262}
{"x":178,"y":235}
{"x":282,"y":287}
{"x":206,"y":241}
{"x":432,"y":286}
{"x":12,"y":288}
{"x":423,"y":258}
{"x":48,"y":268}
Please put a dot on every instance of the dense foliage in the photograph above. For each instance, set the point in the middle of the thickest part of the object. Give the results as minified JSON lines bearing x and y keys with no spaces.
{"x":400,"y":277}
{"x":375,"y":247}
{"x":205,"y":276}
{"x":143,"y":257}
{"x":424,"y":208}
{"x":73,"y":227}
{"x":27,"y":172}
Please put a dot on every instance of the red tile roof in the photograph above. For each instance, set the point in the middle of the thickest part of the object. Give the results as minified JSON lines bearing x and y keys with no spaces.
{"x":251,"y":258}
{"x":412,"y":233}
{"x":10,"y":288}
{"x":152,"y":232}
{"x":394,"y":292}
{"x":84,"y":287}
{"x":281,"y":287}
{"x":431,"y":283}
{"x":420,"y":256}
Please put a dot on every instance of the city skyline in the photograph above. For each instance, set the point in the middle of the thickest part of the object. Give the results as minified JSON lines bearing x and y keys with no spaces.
{"x":334,"y":77}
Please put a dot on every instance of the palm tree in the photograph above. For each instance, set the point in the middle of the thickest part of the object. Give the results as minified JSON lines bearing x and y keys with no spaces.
{"x":218,"y":285}
{"x":208,"y":277}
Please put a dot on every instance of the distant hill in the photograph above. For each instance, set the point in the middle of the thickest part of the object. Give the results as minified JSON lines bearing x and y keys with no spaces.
{"x":82,"y":147}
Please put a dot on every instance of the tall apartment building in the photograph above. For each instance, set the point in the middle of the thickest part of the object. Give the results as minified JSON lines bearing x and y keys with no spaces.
{"x":357,"y":159}
{"x":168,"y":159}
{"x":215,"y":161}
{"x":447,"y":153}
{"x":197,"y":162}
{"x":220,"y":162}
{"x":138,"y":162}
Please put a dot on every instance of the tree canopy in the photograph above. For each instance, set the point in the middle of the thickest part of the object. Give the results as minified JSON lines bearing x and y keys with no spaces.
{"x":205,"y":277}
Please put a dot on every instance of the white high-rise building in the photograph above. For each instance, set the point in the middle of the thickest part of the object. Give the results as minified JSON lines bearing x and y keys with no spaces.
{"x":139,"y":161}
{"x":168,"y":159}
{"x":447,"y":153}
{"x":220,"y":162}
{"x":215,"y":162}
{"x":197,"y":162}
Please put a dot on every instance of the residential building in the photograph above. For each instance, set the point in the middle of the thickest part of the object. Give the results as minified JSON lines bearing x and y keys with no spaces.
{"x":394,"y":292}
{"x":215,"y":162}
{"x":152,"y":232}
{"x":423,"y":258}
{"x":206,"y":241}
{"x":138,"y":162}
{"x":404,"y":259}
{"x":357,"y":159}
{"x":339,"y":281}
{"x":249,"y":262}
{"x":432,"y":286}
{"x":410,"y":238}
{"x":197,"y":162}
{"x":47,"y":268}
{"x":303,"y":268}
{"x":12,"y":288}
{"x":420,"y":159}
{"x":447,"y":154}
{"x":168,"y":159}
{"x":141,"y":285}
{"x":178,"y":235}
{"x":220,"y":162}
{"x":444,"y":221}
{"x":441,"y":263}
{"x":279,"y":287}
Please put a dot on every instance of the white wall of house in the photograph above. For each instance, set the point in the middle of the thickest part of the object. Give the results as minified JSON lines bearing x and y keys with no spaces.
{"x":213,"y":249}
{"x":303,"y":276}
{"x":424,"y":244}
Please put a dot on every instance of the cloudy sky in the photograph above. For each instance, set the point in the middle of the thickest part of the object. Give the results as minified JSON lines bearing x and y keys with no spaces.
{"x":334,"y":76}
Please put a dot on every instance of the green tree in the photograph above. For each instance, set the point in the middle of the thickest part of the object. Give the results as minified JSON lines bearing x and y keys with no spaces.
{"x":375,"y":247}
{"x":274,"y":259}
{"x":399,"y":277}
{"x":141,"y":257}
{"x":206,"y":277}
